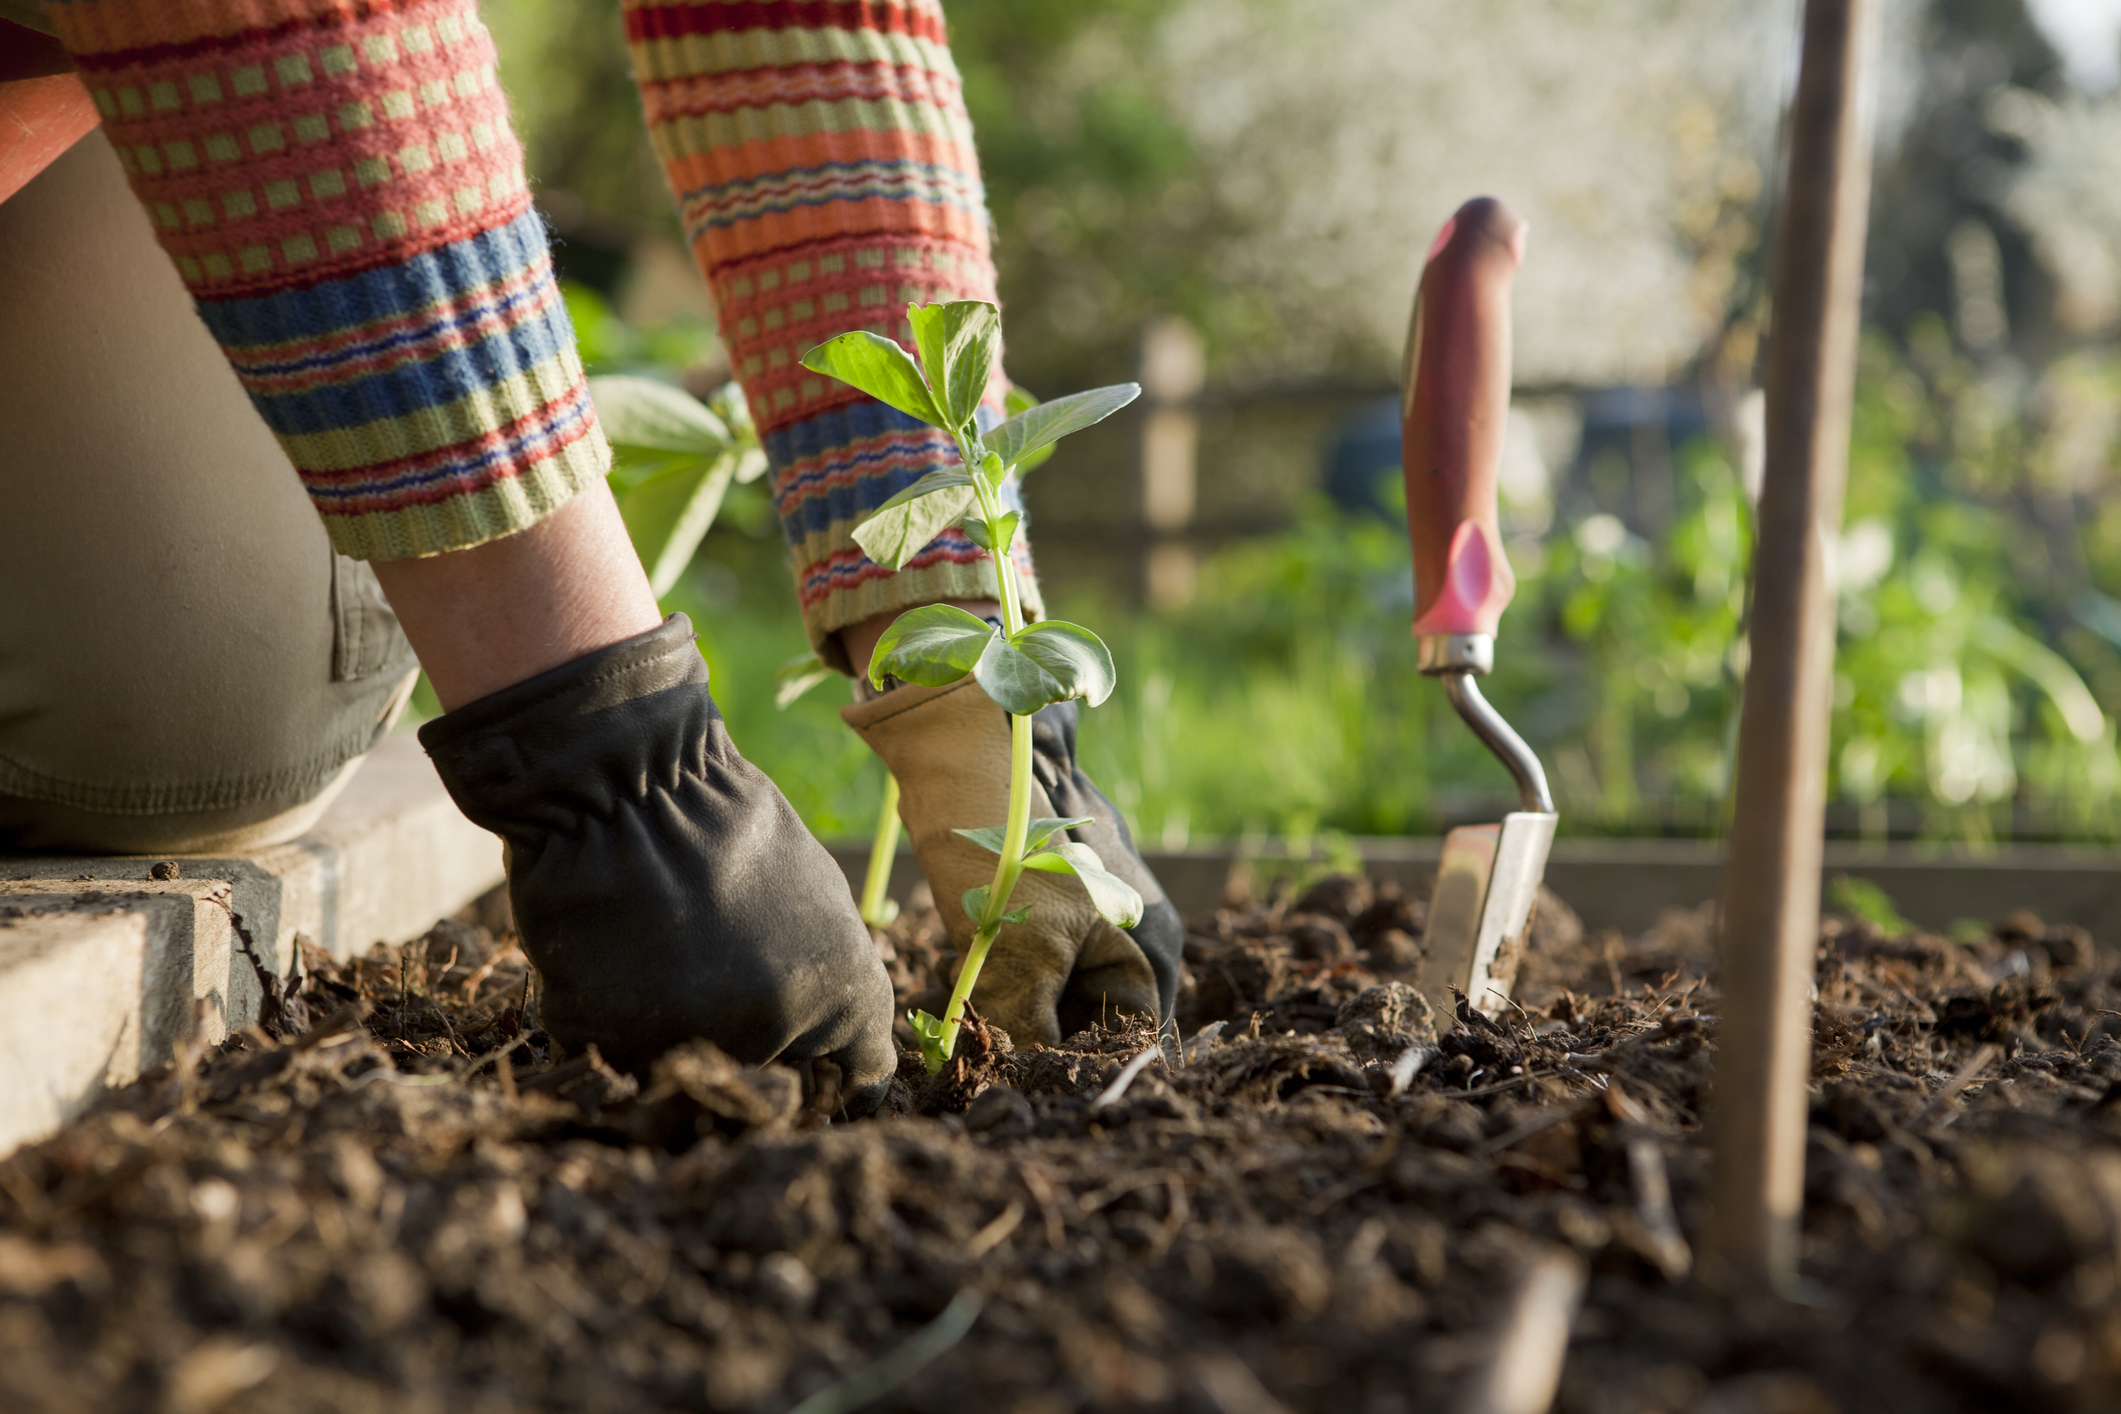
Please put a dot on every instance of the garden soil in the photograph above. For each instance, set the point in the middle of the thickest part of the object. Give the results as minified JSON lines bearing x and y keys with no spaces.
{"x":393,"y":1197}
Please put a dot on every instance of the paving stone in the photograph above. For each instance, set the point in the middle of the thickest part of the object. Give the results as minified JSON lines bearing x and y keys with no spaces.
{"x":107,"y":963}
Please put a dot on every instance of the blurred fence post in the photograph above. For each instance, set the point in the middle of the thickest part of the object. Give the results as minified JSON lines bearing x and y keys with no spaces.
{"x":1173,"y":369}
{"x":1771,"y":884}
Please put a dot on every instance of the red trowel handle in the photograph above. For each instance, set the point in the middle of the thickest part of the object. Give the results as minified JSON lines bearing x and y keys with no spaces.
{"x":1457,"y":396}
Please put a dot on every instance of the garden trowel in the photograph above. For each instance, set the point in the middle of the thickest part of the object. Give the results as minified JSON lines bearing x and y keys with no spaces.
{"x":1457,"y":397}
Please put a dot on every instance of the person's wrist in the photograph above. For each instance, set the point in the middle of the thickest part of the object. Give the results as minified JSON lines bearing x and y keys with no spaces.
{"x":491,"y":616}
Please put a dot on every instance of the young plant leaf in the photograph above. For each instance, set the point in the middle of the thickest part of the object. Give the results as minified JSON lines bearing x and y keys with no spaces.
{"x":796,"y":677}
{"x":1074,"y":656}
{"x":750,"y":466}
{"x":928,"y":1031}
{"x":880,"y":368}
{"x":1113,"y":897}
{"x":975,"y":902}
{"x":992,"y":471}
{"x":991,"y":837}
{"x":1047,"y":423}
{"x":644,"y":415}
{"x":1021,"y":399}
{"x":902,"y":527}
{"x":933,"y":646}
{"x":1016,"y":680}
{"x":993,"y":535}
{"x":957,"y":343}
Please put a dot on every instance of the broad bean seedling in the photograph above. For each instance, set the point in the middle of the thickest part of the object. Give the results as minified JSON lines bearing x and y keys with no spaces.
{"x":1023,"y":667}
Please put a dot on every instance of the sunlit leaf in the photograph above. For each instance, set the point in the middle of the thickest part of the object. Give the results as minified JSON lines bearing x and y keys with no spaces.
{"x":1047,"y":423}
{"x":904,"y":525}
{"x":1021,"y":399}
{"x":1016,"y":680}
{"x":1113,"y":897}
{"x":991,"y":837}
{"x":933,"y":646}
{"x":655,"y":417}
{"x":669,"y":512}
{"x":995,"y":535}
{"x":957,"y":343}
{"x":879,"y":367}
{"x":1076,"y":658}
{"x":797,"y":676}
{"x":928,"y":1033}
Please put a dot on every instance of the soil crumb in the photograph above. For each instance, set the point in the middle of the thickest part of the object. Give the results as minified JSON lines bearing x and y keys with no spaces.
{"x":1319,"y":1193}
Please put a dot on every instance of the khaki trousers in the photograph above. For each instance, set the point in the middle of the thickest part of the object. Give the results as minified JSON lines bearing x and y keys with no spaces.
{"x":185,"y":666}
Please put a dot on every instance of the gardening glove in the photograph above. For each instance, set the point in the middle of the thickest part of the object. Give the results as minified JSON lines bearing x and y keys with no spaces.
{"x":1064,"y":967}
{"x":663,"y":887}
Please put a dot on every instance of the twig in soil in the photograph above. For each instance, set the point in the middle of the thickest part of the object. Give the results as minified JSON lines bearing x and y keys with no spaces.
{"x":1653,"y":1202}
{"x":1042,"y":1193}
{"x":1118,"y":1087}
{"x":1526,"y":1368}
{"x":1947,"y":1098}
{"x":921,"y":1349}
{"x":994,"y":1234}
{"x":1176,"y":1211}
{"x":1234,"y":1388}
{"x":1409,"y":1065}
{"x":1523,"y":1131}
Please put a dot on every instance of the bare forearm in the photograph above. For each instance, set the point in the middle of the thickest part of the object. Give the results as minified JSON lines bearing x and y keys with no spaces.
{"x":486,"y":618}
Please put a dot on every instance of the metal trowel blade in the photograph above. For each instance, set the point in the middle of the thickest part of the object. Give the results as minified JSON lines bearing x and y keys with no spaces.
{"x":1485,"y":886}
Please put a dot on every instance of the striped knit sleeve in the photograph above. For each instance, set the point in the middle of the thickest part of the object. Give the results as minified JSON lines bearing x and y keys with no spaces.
{"x":340,"y":189}
{"x":822,"y":163}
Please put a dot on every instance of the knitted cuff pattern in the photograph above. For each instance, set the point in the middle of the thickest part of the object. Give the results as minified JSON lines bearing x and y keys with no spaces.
{"x":341,"y":191}
{"x":822,"y":163}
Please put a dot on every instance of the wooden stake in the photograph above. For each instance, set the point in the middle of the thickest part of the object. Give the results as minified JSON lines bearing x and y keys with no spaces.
{"x":1771,"y":884}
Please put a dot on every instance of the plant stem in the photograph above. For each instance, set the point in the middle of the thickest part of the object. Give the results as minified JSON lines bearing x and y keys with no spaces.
{"x":878,"y":882}
{"x":1011,"y":864}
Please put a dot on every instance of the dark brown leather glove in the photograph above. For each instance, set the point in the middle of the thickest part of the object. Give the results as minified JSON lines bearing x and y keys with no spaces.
{"x":663,"y":887}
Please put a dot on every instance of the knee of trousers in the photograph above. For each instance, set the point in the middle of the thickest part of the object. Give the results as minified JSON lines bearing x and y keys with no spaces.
{"x":182,"y":657}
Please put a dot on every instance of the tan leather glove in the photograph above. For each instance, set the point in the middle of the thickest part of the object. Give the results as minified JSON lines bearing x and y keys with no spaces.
{"x":1064,"y":967}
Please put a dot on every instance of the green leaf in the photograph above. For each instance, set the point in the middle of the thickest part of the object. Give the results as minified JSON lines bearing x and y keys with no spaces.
{"x":995,"y":535}
{"x":1073,"y":655}
{"x":993,"y":471}
{"x":957,"y":343}
{"x":1016,"y":680}
{"x":750,"y":466}
{"x":991,"y":837}
{"x":1021,"y":399}
{"x":1047,"y":423}
{"x":975,"y":902}
{"x":796,"y":677}
{"x":645,"y":415}
{"x":902,"y":527}
{"x":928,"y":1031}
{"x":1113,"y":897}
{"x":933,"y":646}
{"x":669,"y":511}
{"x":880,"y":368}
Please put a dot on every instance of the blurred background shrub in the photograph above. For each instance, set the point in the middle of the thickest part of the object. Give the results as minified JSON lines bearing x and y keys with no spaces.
{"x":1230,"y":198}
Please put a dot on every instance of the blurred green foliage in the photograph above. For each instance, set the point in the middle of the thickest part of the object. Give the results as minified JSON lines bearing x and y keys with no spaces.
{"x":1979,"y":663}
{"x":1285,"y":699}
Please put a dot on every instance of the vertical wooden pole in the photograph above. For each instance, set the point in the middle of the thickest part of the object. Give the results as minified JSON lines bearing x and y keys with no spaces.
{"x":1174,"y":368}
{"x":1771,"y":884}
